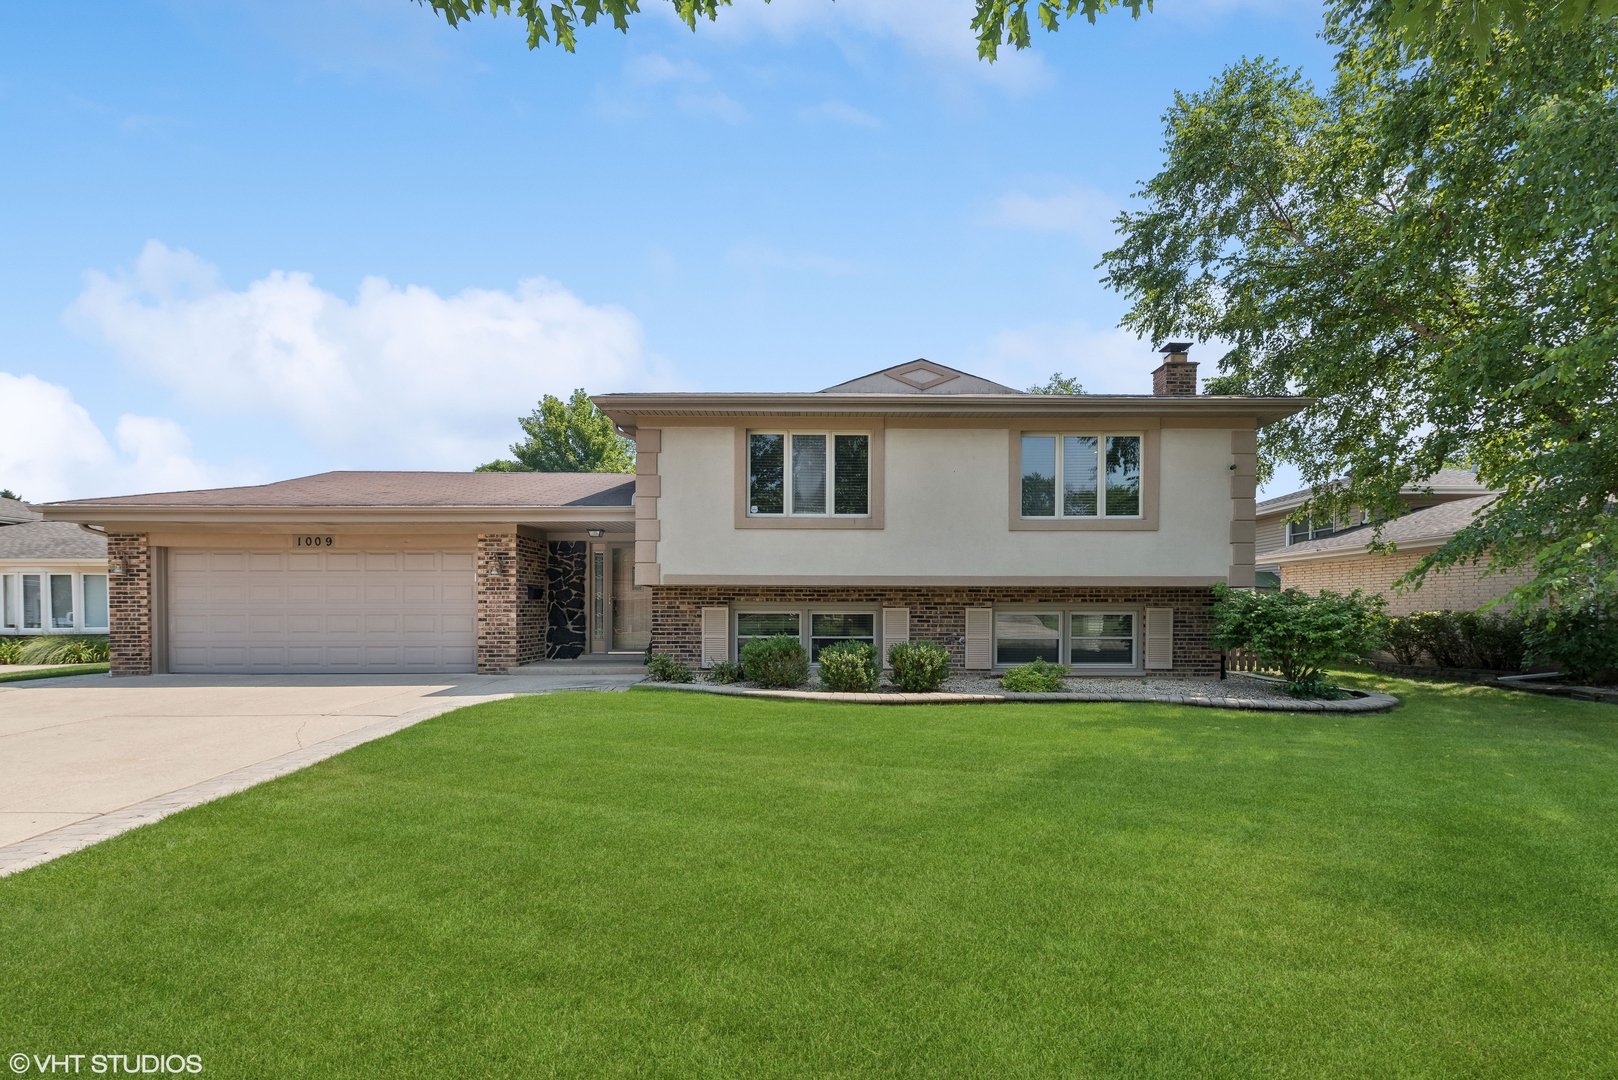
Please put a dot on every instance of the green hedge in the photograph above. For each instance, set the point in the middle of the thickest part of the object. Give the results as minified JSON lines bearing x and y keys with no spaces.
{"x":1459,"y":639}
{"x":776,"y":663}
{"x":849,"y":667}
{"x":919,"y":667}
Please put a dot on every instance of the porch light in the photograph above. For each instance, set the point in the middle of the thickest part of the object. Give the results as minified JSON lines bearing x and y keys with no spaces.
{"x":117,"y":568}
{"x":597,"y":533}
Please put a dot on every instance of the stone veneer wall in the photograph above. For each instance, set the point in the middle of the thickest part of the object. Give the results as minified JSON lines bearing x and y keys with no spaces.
{"x":936,"y":614}
{"x":1463,"y":588}
{"x":129,"y":604}
{"x":497,"y":602}
{"x":566,"y":575}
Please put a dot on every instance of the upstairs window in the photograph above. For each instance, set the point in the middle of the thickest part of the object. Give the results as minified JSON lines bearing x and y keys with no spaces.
{"x":1067,"y":476}
{"x":808,"y":474}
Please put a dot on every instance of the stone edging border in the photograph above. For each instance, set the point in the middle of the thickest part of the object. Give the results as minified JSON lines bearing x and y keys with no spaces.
{"x":1365,"y":702}
{"x":81,"y":834}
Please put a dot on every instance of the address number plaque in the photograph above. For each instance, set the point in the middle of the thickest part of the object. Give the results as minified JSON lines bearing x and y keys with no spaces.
{"x":313,"y":541}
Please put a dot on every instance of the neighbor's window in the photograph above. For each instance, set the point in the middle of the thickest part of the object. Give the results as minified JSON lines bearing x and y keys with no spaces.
{"x":61,"y":601}
{"x":95,"y":600}
{"x":1101,"y":638}
{"x":1071,"y":465}
{"x":8,"y":602}
{"x":754,"y":625}
{"x":1021,"y":637}
{"x":30,"y":602}
{"x":829,"y":629}
{"x":828,"y":474}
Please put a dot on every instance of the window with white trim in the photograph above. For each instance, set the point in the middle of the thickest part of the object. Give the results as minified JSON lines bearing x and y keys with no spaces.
{"x":44,"y":603}
{"x":757,"y":625}
{"x":834,"y":627}
{"x":808,"y":474}
{"x":1081,"y":476}
{"x":1079,"y":637}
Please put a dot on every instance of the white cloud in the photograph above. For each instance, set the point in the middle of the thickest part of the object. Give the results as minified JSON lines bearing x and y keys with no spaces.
{"x":1082,"y":212}
{"x":50,"y":448}
{"x":692,"y":96}
{"x":841,"y":113}
{"x":398,"y":377}
{"x":751,"y":256}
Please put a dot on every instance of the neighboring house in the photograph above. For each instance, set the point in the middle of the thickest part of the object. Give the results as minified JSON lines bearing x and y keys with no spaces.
{"x":1341,"y":563}
{"x":1274,"y":533}
{"x":53,"y":575}
{"x":919,"y":502}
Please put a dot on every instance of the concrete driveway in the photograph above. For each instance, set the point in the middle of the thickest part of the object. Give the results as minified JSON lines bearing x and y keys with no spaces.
{"x":85,"y":758}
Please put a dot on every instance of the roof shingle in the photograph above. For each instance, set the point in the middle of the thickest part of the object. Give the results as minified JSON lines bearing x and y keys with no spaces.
{"x":51,"y":540}
{"x":1433,"y":523}
{"x":402,"y":489}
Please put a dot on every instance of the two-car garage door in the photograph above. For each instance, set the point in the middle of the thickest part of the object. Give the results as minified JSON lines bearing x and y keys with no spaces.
{"x":321,"y":611}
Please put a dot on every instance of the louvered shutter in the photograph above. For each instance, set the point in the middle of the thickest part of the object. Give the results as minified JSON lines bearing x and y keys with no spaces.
{"x":715,"y":635}
{"x":979,"y":638}
{"x":895,"y":629}
{"x":1159,"y":638}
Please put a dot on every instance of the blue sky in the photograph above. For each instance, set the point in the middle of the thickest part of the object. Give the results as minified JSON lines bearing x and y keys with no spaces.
{"x":248,"y":241}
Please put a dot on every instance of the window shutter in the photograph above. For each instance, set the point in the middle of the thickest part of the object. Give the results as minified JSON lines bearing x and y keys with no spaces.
{"x":1159,"y":638}
{"x":979,"y":638}
{"x":895,"y":629}
{"x":715,"y":635}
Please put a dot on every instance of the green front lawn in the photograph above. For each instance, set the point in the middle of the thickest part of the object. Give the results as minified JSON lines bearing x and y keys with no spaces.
{"x":54,"y":673}
{"x":670,"y":885}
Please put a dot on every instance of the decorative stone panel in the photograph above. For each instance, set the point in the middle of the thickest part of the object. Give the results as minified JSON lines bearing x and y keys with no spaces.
{"x":497,"y":602}
{"x":129,"y":603}
{"x":565,"y":576}
{"x":936,"y":614}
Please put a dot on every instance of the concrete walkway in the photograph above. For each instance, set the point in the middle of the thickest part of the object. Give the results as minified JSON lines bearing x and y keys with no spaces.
{"x":87,"y":757}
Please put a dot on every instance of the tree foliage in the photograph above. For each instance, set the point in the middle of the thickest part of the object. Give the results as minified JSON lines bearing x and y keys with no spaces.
{"x":1428,"y":249}
{"x":1006,"y":22}
{"x":7,"y":493}
{"x":1058,"y":384}
{"x":571,"y":436}
{"x":1297,"y":633}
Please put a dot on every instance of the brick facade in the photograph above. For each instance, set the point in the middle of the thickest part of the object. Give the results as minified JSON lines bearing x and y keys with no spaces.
{"x":1463,"y":588}
{"x":129,"y":603}
{"x":532,"y":603}
{"x":936,"y":614}
{"x":1175,"y":378}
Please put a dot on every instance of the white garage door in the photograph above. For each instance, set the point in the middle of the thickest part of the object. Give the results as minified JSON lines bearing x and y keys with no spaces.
{"x":321,"y":611}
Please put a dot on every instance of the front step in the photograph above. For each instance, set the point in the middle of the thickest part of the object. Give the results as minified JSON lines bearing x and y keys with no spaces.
{"x":632,"y":665}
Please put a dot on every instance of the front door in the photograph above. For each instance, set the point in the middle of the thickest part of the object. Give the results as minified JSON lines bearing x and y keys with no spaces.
{"x":631,"y":616}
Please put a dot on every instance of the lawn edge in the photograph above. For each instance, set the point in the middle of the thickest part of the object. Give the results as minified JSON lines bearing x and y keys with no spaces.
{"x":55,"y":672}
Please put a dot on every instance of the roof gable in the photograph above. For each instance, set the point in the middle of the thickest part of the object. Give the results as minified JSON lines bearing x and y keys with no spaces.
{"x":919,"y":377}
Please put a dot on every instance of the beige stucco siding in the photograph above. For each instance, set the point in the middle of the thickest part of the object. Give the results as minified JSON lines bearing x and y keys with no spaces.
{"x":946,"y":516}
{"x":1462,"y":589}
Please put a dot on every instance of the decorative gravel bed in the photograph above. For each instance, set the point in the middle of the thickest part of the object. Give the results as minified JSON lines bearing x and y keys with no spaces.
{"x":1234,"y":692}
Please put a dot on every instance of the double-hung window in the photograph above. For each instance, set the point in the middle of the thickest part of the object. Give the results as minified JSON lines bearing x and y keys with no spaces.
{"x":1081,"y":476}
{"x":1080,"y":638}
{"x":808,"y":474}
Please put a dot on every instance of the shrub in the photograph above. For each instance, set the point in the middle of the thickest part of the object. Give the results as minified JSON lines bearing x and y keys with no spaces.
{"x":777,"y":663}
{"x":1583,"y":642}
{"x":1039,"y":677}
{"x":10,"y":650}
{"x":1458,"y":639}
{"x":1297,"y":633}
{"x":919,"y":667}
{"x":849,"y":667}
{"x":63,"y":649}
{"x":664,"y":668}
{"x":1403,"y":637}
{"x":723,"y":671}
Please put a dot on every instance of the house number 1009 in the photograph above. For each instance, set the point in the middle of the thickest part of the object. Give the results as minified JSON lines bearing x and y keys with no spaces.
{"x":312,"y":541}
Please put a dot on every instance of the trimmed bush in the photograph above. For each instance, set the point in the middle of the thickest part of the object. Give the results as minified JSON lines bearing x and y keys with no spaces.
{"x":1583,"y":642}
{"x":1038,"y":677}
{"x":63,"y":649}
{"x":664,"y":668}
{"x":1297,"y":633}
{"x":723,"y":671}
{"x":1458,"y":639}
{"x":776,"y":663}
{"x":849,"y":667}
{"x":919,"y":667}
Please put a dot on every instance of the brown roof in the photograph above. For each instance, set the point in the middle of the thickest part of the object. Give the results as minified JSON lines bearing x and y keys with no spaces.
{"x":1435,"y":523}
{"x":50,"y":540}
{"x":402,"y":489}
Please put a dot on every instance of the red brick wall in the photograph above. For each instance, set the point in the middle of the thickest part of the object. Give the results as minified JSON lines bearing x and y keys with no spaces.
{"x":497,"y":602}
{"x":1175,"y":379}
{"x":129,"y":604}
{"x":936,"y":614}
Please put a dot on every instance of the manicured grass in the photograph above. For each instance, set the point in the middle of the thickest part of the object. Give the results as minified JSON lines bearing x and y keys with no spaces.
{"x":54,"y":673}
{"x":669,"y":885}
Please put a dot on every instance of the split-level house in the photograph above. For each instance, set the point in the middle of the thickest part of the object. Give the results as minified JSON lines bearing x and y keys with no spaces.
{"x":915,"y":503}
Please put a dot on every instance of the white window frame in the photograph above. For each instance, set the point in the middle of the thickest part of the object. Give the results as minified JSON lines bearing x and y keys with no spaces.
{"x":15,"y":578}
{"x":806,"y":614}
{"x":786,"y":469}
{"x":1101,"y":438}
{"x":1064,"y":613}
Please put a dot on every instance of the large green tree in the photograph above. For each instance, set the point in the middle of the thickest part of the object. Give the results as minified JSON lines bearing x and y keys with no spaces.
{"x":1428,"y":249}
{"x":570,"y":436}
{"x":1006,"y":22}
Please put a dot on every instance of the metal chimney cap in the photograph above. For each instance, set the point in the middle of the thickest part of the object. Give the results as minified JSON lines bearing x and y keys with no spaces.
{"x":1176,"y":347}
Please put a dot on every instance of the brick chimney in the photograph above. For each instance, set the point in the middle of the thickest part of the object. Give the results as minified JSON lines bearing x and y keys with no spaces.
{"x":1176,"y":376}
